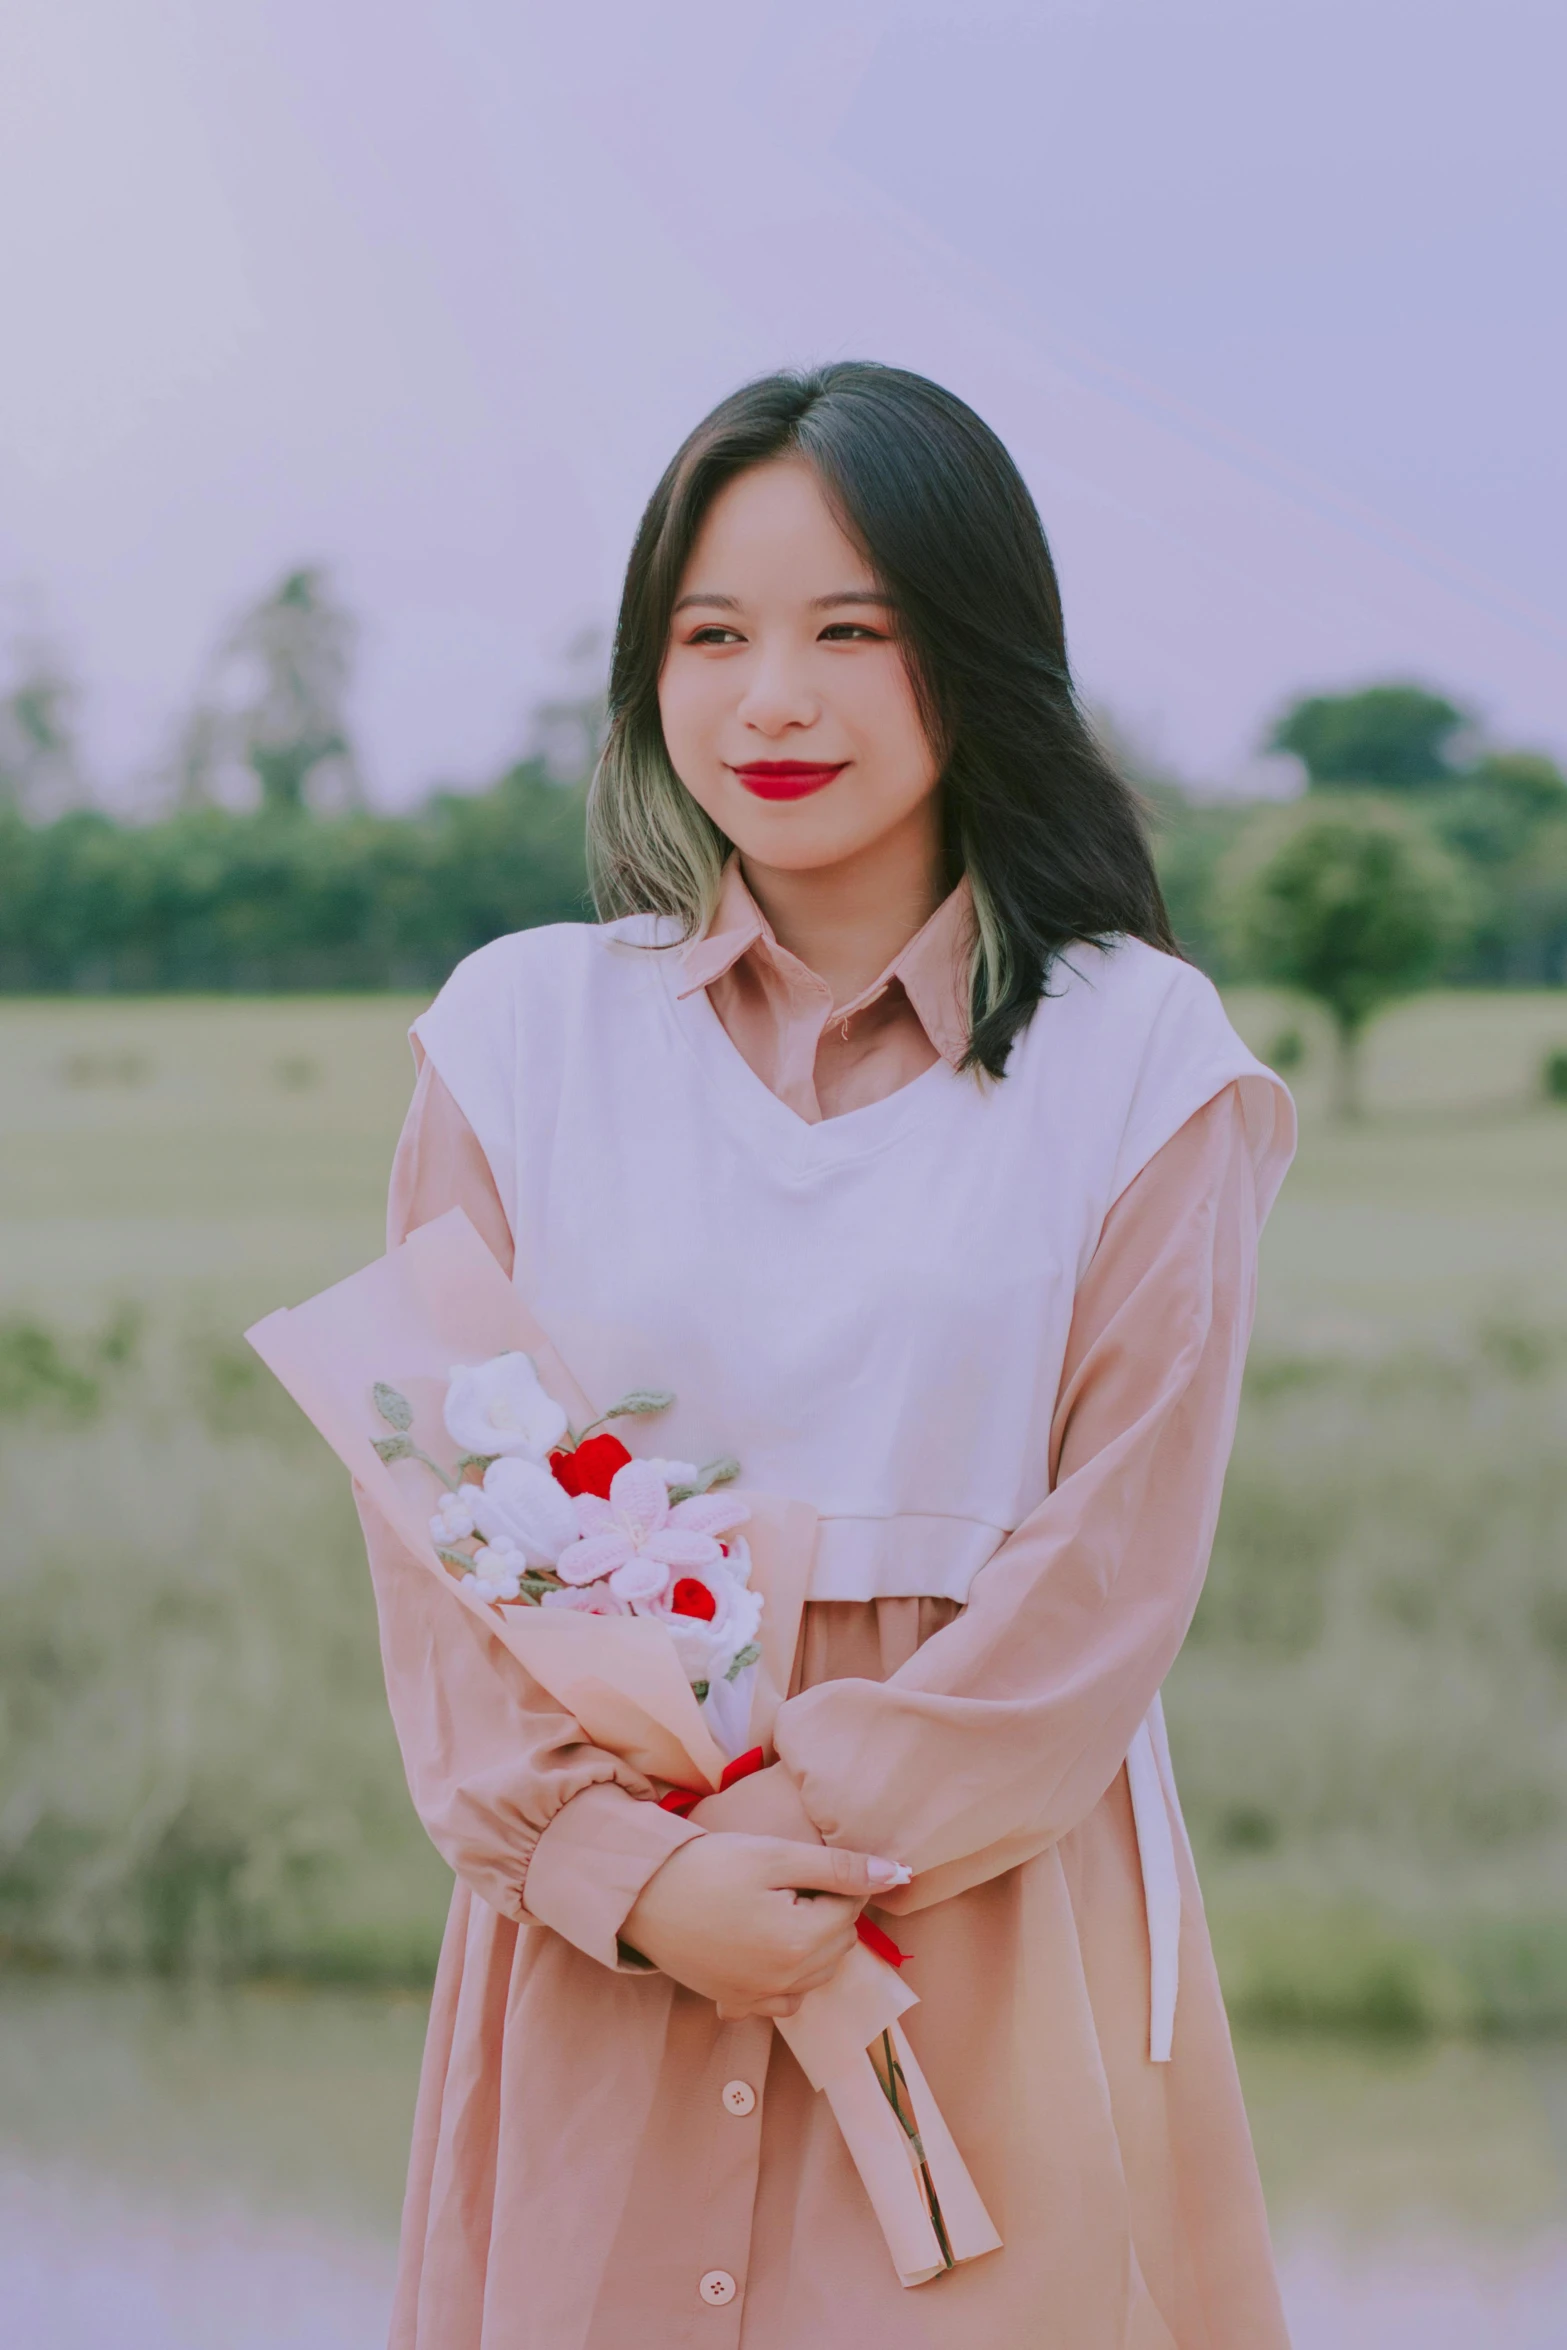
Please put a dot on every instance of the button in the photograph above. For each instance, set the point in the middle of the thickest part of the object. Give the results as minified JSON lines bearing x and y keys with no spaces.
{"x":717,"y":2288}
{"x":739,"y":2097}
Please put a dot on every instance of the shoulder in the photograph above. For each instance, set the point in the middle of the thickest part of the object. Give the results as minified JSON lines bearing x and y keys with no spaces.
{"x":504,"y":1027}
{"x":1129,"y":983}
{"x":1113,"y":1007}
{"x":1145,"y":1038}
{"x":546,"y":967}
{"x":522,"y":959}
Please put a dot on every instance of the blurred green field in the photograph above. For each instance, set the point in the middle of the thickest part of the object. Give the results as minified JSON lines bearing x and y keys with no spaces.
{"x":195,"y":1765}
{"x":238,"y":1149}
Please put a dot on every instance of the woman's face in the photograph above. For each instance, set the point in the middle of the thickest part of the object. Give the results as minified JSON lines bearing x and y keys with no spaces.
{"x":788,"y":709}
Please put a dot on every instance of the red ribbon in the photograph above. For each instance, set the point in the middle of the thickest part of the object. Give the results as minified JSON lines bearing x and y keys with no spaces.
{"x":880,"y":1945}
{"x":682,"y":1800}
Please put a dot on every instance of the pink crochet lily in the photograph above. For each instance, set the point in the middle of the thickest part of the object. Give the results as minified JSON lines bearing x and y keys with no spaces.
{"x":637,"y":1540}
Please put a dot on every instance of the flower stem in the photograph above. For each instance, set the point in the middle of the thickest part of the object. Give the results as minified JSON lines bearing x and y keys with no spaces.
{"x":450,"y":1482}
{"x":889,"y":2088}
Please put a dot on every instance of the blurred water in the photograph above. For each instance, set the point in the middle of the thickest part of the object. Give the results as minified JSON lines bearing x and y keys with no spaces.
{"x":222,"y":2171}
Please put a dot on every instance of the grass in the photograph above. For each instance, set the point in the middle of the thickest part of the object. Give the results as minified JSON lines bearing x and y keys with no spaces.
{"x":196,"y":1770}
{"x":1369,"y":1716}
{"x":197,"y":1766}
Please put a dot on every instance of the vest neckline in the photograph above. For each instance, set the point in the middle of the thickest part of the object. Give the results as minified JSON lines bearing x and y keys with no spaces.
{"x":753,"y":1107}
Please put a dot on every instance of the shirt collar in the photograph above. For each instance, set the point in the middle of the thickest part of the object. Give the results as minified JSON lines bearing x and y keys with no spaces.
{"x":932,"y":968}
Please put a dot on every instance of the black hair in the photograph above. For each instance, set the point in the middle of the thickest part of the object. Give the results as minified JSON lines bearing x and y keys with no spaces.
{"x":1034,"y":811}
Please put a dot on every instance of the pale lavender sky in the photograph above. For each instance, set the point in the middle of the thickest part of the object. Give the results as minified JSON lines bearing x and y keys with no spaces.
{"x":1264,"y":294}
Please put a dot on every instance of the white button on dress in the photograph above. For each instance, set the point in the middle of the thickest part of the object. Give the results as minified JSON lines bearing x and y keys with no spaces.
{"x":739,"y":2097}
{"x":717,"y":2288}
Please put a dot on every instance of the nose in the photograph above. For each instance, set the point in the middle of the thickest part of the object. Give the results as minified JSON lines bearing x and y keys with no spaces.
{"x":777,"y":694}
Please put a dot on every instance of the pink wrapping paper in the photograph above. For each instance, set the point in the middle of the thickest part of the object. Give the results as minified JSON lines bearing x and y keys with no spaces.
{"x":437,"y":1301}
{"x":408,"y":1319}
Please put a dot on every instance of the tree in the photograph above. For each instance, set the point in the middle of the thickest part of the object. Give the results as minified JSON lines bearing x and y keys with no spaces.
{"x":1353,"y":902}
{"x":1536,"y":911}
{"x":1505,"y":818}
{"x":1385,"y":738}
{"x":39,"y":774}
{"x":1527,"y":781}
{"x":567,"y":733}
{"x":272,"y":714}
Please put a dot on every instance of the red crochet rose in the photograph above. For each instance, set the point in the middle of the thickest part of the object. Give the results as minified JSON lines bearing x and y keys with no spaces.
{"x":691,"y":1598}
{"x":591,"y":1467}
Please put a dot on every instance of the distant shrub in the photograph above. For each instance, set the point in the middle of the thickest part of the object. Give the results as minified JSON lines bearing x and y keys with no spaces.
{"x":1553,"y":1075}
{"x":281,"y":899}
{"x":1337,"y":1967}
{"x":42,"y":1372}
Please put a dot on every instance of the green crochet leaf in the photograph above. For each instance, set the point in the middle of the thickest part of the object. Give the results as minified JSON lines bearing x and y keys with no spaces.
{"x":641,"y":1403}
{"x":721,"y":1472}
{"x":394,"y":1407}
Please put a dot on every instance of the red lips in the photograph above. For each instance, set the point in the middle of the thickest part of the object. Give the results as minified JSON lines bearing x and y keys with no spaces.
{"x":787,"y":779}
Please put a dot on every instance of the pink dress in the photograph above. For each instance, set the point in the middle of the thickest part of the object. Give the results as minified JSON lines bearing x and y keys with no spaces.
{"x":592,"y":2147}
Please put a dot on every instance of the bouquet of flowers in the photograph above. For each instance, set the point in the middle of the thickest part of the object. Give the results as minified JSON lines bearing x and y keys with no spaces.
{"x":624,"y":1587}
{"x":540,"y":1516}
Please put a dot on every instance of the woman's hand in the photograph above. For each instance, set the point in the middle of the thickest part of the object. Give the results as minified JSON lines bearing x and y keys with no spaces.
{"x":724,"y":1915}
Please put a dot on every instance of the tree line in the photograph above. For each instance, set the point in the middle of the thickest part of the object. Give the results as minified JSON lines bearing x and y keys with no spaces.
{"x":1417,"y":853}
{"x":1418,"y":850}
{"x":262,"y":868}
{"x":1498,"y":814}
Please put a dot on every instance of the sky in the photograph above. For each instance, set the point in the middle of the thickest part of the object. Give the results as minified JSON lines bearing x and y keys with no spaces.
{"x":1265,"y":296}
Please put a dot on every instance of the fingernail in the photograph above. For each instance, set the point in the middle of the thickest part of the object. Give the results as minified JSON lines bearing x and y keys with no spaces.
{"x":888,"y":1873}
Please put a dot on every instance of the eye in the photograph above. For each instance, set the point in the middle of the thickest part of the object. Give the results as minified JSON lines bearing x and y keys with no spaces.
{"x":846,"y":632}
{"x":713,"y":632}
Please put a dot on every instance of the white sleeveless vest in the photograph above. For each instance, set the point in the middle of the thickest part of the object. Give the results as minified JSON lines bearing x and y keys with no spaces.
{"x":871,"y":1313}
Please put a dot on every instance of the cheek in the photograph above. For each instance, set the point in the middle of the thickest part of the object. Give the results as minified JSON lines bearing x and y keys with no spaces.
{"x":888,"y":715}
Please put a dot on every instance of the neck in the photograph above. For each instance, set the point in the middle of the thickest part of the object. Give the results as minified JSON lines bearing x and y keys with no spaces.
{"x":847,"y":921}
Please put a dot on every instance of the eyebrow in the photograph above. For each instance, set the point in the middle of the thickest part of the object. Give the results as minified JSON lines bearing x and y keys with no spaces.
{"x":818,"y":603}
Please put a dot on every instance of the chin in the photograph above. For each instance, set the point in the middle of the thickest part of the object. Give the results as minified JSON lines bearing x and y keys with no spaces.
{"x":793,"y":847}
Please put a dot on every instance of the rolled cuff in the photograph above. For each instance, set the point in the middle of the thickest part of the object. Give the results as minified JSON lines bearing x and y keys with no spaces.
{"x":592,"y":1861}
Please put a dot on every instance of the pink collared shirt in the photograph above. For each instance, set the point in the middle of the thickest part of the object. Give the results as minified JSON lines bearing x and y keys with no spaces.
{"x":819,"y":1057}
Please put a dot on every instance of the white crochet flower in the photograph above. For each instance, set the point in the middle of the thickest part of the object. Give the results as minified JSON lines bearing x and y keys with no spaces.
{"x":676,"y":1472}
{"x":520,"y":1503}
{"x":454,"y":1520}
{"x":637,"y":1543}
{"x":736,"y":1562}
{"x":499,"y":1407}
{"x":707,"y":1648}
{"x":497,"y":1571}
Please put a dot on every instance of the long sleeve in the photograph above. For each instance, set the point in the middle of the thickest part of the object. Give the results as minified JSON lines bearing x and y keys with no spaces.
{"x":1005,"y":1728}
{"x":512,"y":1795}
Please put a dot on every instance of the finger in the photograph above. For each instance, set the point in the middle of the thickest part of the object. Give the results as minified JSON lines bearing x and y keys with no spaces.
{"x":819,"y":1941}
{"x":815,"y":1978}
{"x":822,"y":1868}
{"x":818,"y":1969}
{"x":785,"y":2004}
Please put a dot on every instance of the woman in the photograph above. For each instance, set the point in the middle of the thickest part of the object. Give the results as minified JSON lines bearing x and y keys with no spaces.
{"x":883,"y":1123}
